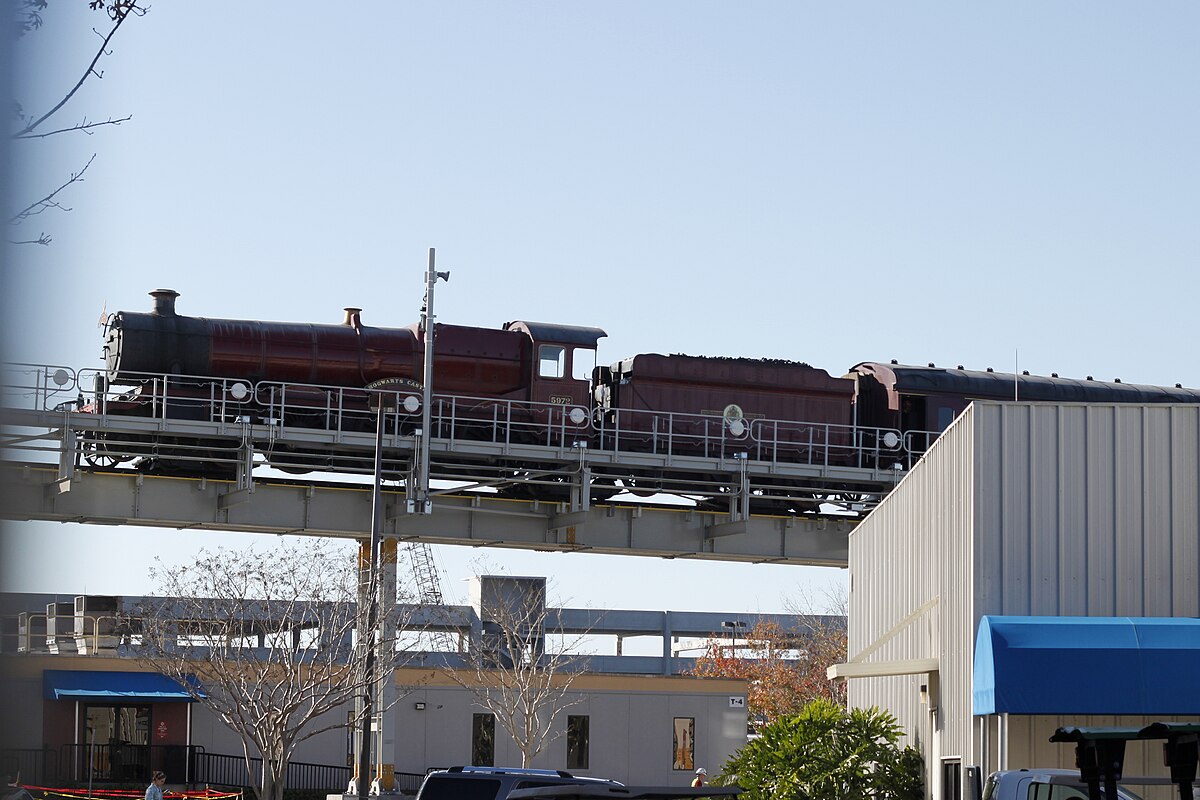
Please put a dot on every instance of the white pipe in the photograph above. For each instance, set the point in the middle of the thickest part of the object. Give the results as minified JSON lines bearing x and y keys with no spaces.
{"x":1003,"y":741}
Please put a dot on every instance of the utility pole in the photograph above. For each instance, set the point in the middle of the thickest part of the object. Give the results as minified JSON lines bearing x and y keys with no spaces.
{"x":379,"y":649}
{"x":419,"y":500}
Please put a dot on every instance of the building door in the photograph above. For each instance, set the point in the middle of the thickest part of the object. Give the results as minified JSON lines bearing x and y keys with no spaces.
{"x":117,"y":742}
{"x":951,"y":779}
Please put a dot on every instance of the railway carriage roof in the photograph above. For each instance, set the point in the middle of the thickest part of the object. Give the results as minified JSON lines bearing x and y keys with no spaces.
{"x":578,"y":335}
{"x":911,"y":379}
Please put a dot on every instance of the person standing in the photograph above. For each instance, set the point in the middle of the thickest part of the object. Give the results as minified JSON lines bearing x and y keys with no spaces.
{"x":154,"y":790}
{"x":697,"y":782}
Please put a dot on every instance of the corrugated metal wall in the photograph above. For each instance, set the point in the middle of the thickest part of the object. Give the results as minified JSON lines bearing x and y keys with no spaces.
{"x":910,"y":593}
{"x":1023,"y":509}
{"x":1088,"y":510}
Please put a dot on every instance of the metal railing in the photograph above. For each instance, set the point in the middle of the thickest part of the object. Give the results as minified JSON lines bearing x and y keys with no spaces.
{"x":29,"y":765}
{"x":127,"y":763}
{"x":186,"y":764}
{"x":217,"y":769}
{"x":456,"y":420}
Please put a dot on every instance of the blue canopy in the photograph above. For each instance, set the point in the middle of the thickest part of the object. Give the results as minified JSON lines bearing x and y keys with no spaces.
{"x":1087,"y":665}
{"x":63,"y":684}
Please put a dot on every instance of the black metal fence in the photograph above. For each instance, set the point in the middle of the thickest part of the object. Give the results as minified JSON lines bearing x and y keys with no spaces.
{"x":29,"y":765}
{"x":217,"y":769}
{"x":185,"y":764}
{"x":126,"y":763}
{"x":409,"y":782}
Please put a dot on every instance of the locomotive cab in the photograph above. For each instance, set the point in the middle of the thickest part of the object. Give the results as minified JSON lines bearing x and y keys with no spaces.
{"x":563,"y":358}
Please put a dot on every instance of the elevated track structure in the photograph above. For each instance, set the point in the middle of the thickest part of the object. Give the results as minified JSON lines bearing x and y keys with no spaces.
{"x":71,"y":456}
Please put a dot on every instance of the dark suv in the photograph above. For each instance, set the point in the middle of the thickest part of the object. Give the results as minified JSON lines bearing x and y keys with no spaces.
{"x":494,"y":783}
{"x":591,"y":792}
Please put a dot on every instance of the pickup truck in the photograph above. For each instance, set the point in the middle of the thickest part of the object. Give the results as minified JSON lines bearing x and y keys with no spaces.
{"x":1042,"y":784}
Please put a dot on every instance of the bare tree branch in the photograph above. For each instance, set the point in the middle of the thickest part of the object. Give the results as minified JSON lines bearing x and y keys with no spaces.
{"x":119,"y":13}
{"x":513,"y":674}
{"x":29,"y":19}
{"x":268,"y":641}
{"x":43,"y":238}
{"x":48,"y":202}
{"x":84,"y":126}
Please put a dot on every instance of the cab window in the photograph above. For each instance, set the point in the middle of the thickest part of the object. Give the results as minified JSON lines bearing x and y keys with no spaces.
{"x":551,"y":361}
{"x":583,"y":362}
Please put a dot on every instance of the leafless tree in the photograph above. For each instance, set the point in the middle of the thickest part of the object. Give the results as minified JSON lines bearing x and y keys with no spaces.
{"x":265,"y":639}
{"x":823,"y":628}
{"x":41,"y":126}
{"x":521,"y":666}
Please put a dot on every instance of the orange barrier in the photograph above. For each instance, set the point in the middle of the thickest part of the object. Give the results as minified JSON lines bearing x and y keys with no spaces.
{"x":131,"y":794}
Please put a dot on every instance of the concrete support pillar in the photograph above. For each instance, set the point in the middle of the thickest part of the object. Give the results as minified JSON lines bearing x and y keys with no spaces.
{"x":385,"y":662}
{"x":361,"y":642}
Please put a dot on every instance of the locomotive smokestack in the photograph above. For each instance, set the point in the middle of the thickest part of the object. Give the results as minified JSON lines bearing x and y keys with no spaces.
{"x":164,"y":302}
{"x":353,"y":318}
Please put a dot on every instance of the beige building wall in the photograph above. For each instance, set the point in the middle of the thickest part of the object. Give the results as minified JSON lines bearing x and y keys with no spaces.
{"x":631,"y":721}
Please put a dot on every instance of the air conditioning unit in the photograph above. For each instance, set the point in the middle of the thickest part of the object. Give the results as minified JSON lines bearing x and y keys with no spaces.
{"x":60,"y":628}
{"x":96,"y":625}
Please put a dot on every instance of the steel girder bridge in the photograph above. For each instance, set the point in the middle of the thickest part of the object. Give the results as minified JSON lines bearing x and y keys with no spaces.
{"x":68,"y":460}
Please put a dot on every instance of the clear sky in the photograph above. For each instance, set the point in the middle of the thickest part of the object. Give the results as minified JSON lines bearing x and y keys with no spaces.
{"x":965,"y":183}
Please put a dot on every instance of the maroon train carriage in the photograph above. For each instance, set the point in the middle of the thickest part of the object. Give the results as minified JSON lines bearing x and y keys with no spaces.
{"x":313,"y":375}
{"x":722,"y":408}
{"x":710,"y":405}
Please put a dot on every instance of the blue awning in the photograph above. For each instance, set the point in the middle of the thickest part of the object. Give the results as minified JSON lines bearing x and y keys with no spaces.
{"x":1087,"y":665}
{"x":62,"y":684}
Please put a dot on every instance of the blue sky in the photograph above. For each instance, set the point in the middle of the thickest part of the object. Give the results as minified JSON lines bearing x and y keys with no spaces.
{"x":977,"y":184}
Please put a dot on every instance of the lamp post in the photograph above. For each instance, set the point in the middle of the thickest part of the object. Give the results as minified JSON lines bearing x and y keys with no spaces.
{"x":382,"y":402}
{"x":733,"y":625}
{"x":385,"y":400}
{"x":421,"y":502}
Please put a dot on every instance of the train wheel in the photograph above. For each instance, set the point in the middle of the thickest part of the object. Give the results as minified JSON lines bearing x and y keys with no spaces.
{"x":643,"y":487}
{"x":604,"y":489}
{"x":97,"y":453}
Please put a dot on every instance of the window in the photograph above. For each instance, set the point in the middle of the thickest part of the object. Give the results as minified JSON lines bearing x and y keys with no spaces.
{"x":945,"y":417}
{"x":684,"y":743}
{"x":583,"y":362}
{"x":1049,"y":791}
{"x":483,"y":740}
{"x":577,"y":742}
{"x":551,"y":361}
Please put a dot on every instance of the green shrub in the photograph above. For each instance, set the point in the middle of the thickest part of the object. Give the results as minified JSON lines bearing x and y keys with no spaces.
{"x":827,"y":752}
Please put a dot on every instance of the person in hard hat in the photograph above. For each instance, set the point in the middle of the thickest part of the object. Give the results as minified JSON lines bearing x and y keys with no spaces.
{"x":701,"y":777}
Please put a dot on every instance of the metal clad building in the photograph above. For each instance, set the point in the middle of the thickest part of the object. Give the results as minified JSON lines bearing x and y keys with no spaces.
{"x":1020,"y":509}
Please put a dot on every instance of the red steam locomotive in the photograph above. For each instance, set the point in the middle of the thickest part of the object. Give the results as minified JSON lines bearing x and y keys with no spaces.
{"x":542,"y":382}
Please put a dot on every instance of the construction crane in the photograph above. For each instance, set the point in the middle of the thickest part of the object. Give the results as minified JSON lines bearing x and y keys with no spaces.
{"x":429,"y":590}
